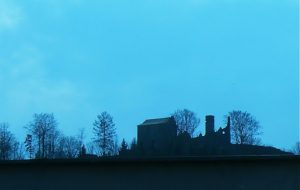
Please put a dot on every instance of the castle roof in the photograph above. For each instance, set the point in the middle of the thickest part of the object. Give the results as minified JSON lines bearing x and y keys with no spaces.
{"x":156,"y":121}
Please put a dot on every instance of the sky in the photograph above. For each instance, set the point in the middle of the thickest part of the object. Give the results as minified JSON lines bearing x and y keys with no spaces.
{"x":142,"y":59}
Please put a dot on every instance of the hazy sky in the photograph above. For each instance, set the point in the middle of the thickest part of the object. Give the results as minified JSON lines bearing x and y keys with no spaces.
{"x":143,"y":59}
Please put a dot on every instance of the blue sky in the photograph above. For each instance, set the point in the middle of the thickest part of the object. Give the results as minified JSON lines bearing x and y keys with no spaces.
{"x":145,"y":59}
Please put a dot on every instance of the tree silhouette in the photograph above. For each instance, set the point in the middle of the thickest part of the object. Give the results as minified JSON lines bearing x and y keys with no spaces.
{"x":133,"y":145}
{"x":81,"y":137}
{"x":245,"y":129}
{"x":82,"y":151}
{"x":44,"y":134}
{"x":92,"y":147}
{"x":124,"y":146}
{"x":116,"y":146}
{"x":187,"y":121}
{"x":70,"y":147}
{"x":105,"y":132}
{"x":18,"y":152}
{"x":7,"y":142}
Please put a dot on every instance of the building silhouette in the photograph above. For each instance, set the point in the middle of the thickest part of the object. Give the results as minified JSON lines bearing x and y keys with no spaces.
{"x":156,"y":136}
{"x":159,"y":137}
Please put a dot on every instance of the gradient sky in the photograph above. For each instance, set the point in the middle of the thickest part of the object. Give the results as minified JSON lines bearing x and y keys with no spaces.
{"x":142,"y":59}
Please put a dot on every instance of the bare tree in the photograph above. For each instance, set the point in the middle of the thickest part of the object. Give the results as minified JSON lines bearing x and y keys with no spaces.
{"x":105,"y":133}
{"x":187,"y":121}
{"x":82,"y":152}
{"x":60,"y":147}
{"x":44,"y":134}
{"x":52,"y":142}
{"x":69,"y":147}
{"x":81,"y":137}
{"x":18,"y":151}
{"x":116,"y":146}
{"x":92,"y":148}
{"x":133,"y":145}
{"x":245,"y":129}
{"x":7,"y":142}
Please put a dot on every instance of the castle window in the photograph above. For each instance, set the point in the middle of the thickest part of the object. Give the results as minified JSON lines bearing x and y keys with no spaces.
{"x":223,"y":132}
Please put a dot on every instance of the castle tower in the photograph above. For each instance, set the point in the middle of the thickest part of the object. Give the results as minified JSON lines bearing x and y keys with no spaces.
{"x":228,"y":134}
{"x":209,"y":124}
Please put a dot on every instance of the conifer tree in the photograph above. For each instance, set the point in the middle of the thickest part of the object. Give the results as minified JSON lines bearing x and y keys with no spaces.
{"x":105,"y":133}
{"x":124,"y":145}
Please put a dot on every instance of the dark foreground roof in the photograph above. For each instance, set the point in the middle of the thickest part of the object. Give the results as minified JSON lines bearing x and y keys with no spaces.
{"x":176,"y":173}
{"x":157,"y":159}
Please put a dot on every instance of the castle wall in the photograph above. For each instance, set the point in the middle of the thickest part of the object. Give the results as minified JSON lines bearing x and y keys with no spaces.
{"x":216,"y":138}
{"x":156,"y":139}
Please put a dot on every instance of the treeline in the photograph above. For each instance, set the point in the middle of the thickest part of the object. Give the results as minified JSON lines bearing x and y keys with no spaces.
{"x":44,"y":140}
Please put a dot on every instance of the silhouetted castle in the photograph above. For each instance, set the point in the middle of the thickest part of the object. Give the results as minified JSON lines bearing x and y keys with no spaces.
{"x":159,"y":137}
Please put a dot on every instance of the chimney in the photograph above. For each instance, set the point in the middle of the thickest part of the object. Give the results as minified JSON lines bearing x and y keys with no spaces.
{"x":209,"y":124}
